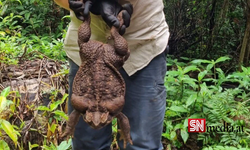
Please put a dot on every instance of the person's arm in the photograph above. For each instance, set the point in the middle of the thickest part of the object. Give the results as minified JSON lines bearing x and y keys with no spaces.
{"x":63,"y":3}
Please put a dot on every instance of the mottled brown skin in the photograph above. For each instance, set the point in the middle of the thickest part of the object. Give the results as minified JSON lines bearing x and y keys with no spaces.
{"x":98,"y":87}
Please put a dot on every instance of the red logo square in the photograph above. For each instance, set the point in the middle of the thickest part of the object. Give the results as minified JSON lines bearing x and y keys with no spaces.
{"x":196,"y":125}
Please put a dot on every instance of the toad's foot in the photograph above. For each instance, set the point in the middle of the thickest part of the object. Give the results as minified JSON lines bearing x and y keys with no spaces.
{"x":124,"y":129}
{"x":71,"y":123}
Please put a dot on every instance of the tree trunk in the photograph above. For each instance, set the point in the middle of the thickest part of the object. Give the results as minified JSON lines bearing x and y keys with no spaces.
{"x":246,"y":37}
{"x":211,"y":28}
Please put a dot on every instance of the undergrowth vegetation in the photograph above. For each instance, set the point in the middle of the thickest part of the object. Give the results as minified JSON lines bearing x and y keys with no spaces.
{"x":29,"y":28}
{"x":200,"y":89}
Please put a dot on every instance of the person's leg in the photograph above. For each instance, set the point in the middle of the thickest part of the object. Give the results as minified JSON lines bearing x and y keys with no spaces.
{"x":145,"y":105}
{"x":86,"y":138}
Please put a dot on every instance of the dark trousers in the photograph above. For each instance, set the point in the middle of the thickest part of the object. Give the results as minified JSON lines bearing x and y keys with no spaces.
{"x":144,"y":106}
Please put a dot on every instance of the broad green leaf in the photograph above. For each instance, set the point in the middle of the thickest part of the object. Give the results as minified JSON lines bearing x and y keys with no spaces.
{"x":184,"y":135}
{"x":185,"y":124}
{"x":195,"y":116}
{"x":64,"y":145}
{"x":44,"y":108}
{"x":54,"y":105}
{"x":1,"y":32}
{"x":64,"y":97}
{"x":170,"y":113}
{"x":3,"y":103}
{"x":201,"y":75}
{"x":173,"y":135}
{"x":203,"y":89}
{"x":178,"y":126}
{"x":173,"y":73}
{"x":245,"y":70}
{"x":210,"y":66}
{"x":179,"y":68}
{"x":178,"y":108}
{"x":8,"y":128}
{"x":220,"y":147}
{"x":53,"y":127}
{"x":5,"y":92}
{"x":31,"y":146}
{"x":62,"y":114}
{"x":191,"y":99}
{"x":45,"y":147}
{"x":190,"y":82}
{"x":221,"y":59}
{"x":198,"y":61}
{"x":189,"y":68}
{"x":4,"y":145}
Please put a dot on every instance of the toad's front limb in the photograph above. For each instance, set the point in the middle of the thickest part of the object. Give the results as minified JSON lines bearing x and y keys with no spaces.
{"x":120,"y":44}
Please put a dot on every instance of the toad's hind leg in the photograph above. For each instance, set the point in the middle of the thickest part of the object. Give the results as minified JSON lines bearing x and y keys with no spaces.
{"x":71,"y":123}
{"x":124,"y":129}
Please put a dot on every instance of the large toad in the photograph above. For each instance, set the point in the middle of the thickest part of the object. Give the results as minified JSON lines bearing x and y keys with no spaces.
{"x":98,"y":88}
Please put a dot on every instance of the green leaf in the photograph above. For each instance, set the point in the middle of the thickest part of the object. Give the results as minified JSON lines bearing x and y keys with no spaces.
{"x":170,"y":113}
{"x":190,"y":82}
{"x":201,"y":75}
{"x":179,"y":68}
{"x":189,"y":68}
{"x":184,"y":135}
{"x":5,"y":92}
{"x":64,"y":97}
{"x":178,"y":126}
{"x":172,"y":135}
{"x":4,"y":145}
{"x":61,"y":113}
{"x":54,"y":105}
{"x":244,"y":69}
{"x":191,"y":99}
{"x":198,"y":61}
{"x":1,"y":32}
{"x":31,"y":146}
{"x":53,"y":127}
{"x":178,"y":108}
{"x":221,"y":59}
{"x":210,"y":66}
{"x":8,"y":128}
{"x":173,"y":73}
{"x":3,"y":103}
{"x":45,"y":147}
{"x":64,"y":145}
{"x":44,"y":108}
{"x":185,"y":124}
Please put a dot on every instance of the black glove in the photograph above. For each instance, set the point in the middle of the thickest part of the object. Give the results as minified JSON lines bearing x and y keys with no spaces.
{"x":109,"y":9}
{"x":80,"y":9}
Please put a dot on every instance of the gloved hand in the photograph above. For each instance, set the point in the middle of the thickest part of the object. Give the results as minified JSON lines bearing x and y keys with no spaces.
{"x":109,"y":9}
{"x":80,"y":9}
